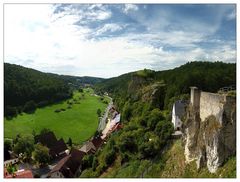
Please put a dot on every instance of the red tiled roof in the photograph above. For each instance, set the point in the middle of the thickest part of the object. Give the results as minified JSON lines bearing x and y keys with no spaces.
{"x":21,"y":174}
{"x":24,"y":174}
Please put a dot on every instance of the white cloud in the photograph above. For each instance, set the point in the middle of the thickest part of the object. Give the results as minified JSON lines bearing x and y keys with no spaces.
{"x":109,"y":27}
{"x":129,"y":8}
{"x":231,"y":15}
{"x":37,"y":38}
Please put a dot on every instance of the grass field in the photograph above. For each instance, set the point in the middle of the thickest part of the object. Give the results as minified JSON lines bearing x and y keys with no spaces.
{"x":79,"y":122}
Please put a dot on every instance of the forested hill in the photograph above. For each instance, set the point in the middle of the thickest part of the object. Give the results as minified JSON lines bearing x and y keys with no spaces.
{"x":208,"y":76}
{"x":144,"y":99}
{"x":23,"y":85}
{"x":77,"y":81}
{"x":26,"y":89}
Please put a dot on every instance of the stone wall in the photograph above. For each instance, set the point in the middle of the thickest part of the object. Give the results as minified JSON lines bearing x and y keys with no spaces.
{"x":211,"y":104}
{"x":210,"y":129}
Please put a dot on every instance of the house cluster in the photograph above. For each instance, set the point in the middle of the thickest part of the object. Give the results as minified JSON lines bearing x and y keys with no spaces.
{"x":70,"y":161}
{"x":113,"y":123}
{"x":70,"y":165}
{"x":57,"y":148}
{"x":22,"y":173}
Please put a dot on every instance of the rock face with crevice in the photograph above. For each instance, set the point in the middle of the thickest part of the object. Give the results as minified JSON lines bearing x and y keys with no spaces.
{"x":209,"y":131}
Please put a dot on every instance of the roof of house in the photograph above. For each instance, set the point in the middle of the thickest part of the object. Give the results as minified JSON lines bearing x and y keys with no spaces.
{"x":21,"y":174}
{"x":77,"y":154}
{"x":59,"y":147}
{"x":97,"y":142}
{"x":179,"y":108}
{"x":69,"y":164}
{"x":49,"y":139}
{"x":60,"y":164}
{"x":88,"y":147}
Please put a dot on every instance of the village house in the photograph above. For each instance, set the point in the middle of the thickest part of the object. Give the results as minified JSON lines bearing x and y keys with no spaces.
{"x":69,"y":166}
{"x":11,"y":162}
{"x":57,"y":148}
{"x":178,"y":111}
{"x":19,"y":174}
{"x":88,"y":148}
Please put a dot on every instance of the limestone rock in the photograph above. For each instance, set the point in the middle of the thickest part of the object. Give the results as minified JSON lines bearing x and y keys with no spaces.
{"x":210,"y":130}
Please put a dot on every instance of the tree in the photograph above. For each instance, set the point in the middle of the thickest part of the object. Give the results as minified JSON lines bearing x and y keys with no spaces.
{"x":41,"y":154}
{"x":44,"y":131}
{"x":70,"y":142}
{"x":99,"y":112}
{"x":7,"y":144}
{"x":110,"y":157}
{"x":25,"y":146}
{"x":29,"y":107}
{"x":11,"y":169}
{"x":10,"y":111}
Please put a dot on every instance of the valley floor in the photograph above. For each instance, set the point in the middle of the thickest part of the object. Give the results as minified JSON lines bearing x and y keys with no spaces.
{"x":78,"y":120}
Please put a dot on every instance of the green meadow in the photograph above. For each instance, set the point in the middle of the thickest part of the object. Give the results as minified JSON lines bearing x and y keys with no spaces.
{"x":79,"y":120}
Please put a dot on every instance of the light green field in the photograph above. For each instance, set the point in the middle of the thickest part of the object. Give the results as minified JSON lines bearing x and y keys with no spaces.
{"x":80,"y":122}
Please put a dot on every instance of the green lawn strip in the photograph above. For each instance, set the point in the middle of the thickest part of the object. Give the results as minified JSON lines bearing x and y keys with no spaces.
{"x":80,"y":122}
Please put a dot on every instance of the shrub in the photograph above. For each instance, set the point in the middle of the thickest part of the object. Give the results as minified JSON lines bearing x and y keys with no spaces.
{"x":41,"y":154}
{"x":29,"y":107}
{"x":57,"y":110}
{"x":110,"y":157}
{"x":10,"y":111}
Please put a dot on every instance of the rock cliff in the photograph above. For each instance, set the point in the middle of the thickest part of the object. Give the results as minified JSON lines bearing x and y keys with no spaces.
{"x":209,"y":132}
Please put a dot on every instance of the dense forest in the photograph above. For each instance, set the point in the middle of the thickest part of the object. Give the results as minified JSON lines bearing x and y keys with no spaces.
{"x":26,"y":89}
{"x":207,"y":76}
{"x":145,"y":99}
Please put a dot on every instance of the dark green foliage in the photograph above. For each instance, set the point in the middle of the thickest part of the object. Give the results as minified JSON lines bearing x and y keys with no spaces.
{"x":44,"y":131}
{"x":87,"y":161}
{"x":144,"y":99}
{"x":126,"y":111}
{"x":41,"y":154}
{"x":69,"y":142}
{"x":97,"y":133}
{"x":127,"y":142}
{"x":24,"y":145}
{"x":8,"y":144}
{"x":99,"y":112}
{"x":110,"y":157}
{"x":29,"y":107}
{"x":22,"y":85}
{"x":11,"y":169}
{"x":10,"y":111}
{"x":164,"y":129}
{"x":208,"y":76}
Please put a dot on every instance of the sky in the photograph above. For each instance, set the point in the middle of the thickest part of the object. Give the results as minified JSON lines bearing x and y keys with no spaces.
{"x":107,"y":40}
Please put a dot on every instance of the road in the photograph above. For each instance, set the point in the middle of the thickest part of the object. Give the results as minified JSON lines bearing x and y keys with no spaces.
{"x":102,"y":120}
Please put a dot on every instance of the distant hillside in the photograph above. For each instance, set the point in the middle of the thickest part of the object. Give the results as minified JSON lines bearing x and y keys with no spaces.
{"x":77,"y":81}
{"x":144,"y":99}
{"x":23,"y":85}
{"x":208,"y":76}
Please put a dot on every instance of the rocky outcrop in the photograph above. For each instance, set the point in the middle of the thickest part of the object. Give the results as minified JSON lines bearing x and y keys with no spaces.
{"x":210,"y":129}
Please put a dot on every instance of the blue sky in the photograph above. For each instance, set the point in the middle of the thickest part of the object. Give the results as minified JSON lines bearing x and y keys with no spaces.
{"x":107,"y":40}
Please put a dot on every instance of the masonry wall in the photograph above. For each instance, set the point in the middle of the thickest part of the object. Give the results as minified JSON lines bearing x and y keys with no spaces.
{"x":211,"y":104}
